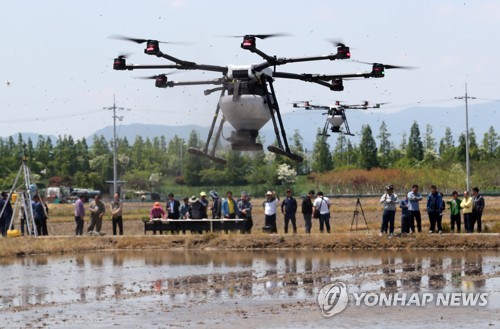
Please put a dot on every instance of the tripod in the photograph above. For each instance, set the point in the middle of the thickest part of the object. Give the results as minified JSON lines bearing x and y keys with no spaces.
{"x":24,"y":199}
{"x":355,"y":215}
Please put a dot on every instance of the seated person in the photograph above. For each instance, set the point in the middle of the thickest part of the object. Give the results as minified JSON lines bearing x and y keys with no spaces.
{"x":156,"y":215}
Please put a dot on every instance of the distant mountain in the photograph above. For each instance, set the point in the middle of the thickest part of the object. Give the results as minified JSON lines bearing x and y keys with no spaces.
{"x":481,"y":117}
{"x":33,"y":136}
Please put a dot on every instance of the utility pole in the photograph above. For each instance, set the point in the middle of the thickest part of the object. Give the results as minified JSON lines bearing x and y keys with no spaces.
{"x":114,"y":108}
{"x":467,"y":162}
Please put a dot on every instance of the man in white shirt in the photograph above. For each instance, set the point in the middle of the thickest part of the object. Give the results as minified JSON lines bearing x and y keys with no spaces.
{"x":270,"y":205}
{"x":323,"y":205}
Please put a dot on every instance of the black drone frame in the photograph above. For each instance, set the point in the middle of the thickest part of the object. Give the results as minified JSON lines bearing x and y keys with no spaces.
{"x":337,"y":110}
{"x":263,"y":79}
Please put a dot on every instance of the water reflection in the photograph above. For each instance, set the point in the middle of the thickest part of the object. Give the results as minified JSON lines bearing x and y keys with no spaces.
{"x":284,"y":274}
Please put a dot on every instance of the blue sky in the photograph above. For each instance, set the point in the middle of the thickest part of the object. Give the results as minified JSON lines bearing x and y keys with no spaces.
{"x":59,"y":58}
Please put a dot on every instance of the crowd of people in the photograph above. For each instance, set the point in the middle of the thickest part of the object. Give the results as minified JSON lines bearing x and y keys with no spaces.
{"x":470,"y":206}
{"x":229,"y":208}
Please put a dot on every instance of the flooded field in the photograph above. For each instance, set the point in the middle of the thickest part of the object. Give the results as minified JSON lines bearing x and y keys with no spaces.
{"x":155,"y":288}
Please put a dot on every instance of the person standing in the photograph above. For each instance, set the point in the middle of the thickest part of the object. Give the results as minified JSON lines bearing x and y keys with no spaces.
{"x":307,"y":211}
{"x":173,"y":207}
{"x":245,"y":211}
{"x":466,"y":206}
{"x":289,"y":208}
{"x":435,"y":209}
{"x":116,"y":214}
{"x":216,"y":205}
{"x":389,"y":199}
{"x":40,"y":216}
{"x":204,"y":202}
{"x":229,"y":207}
{"x":79,"y":214}
{"x":413,"y":206}
{"x":270,"y":205}
{"x":97,"y":211}
{"x":6,"y":215}
{"x":455,"y":219}
{"x":322,"y":204}
{"x":405,"y":216}
{"x":477,"y":209}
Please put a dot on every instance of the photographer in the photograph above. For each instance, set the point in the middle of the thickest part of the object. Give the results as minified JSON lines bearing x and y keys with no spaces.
{"x":389,"y":200}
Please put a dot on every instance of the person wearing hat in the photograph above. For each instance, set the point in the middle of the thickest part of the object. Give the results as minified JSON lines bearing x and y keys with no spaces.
{"x":270,"y":205}
{"x":204,"y":203}
{"x":216,"y":205}
{"x":307,"y":206}
{"x":245,"y":211}
{"x":156,"y":215}
{"x":195,"y":208}
{"x":289,"y":208}
{"x":389,"y":200}
{"x":229,"y":206}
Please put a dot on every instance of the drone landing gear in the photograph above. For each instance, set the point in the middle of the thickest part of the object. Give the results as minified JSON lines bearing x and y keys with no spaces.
{"x":272,"y":103}
{"x":200,"y":153}
{"x":204,"y":153}
{"x":290,"y":155}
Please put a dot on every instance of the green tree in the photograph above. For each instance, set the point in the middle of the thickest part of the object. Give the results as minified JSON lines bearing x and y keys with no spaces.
{"x":385,"y":146}
{"x":367,"y":149}
{"x":322,"y":158}
{"x":415,"y":150}
{"x":490,"y":144}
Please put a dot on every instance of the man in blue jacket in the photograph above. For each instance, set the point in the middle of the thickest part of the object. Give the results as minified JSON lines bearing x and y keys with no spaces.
{"x":434,"y":209}
{"x":289,"y":208}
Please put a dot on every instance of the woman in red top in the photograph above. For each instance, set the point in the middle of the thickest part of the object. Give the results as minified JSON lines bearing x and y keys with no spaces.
{"x":156,"y":215}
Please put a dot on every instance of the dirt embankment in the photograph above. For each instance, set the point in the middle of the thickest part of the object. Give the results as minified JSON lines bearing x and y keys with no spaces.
{"x":52,"y":245}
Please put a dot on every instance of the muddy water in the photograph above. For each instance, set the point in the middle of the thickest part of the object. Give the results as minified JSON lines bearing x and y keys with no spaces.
{"x":176,"y":280}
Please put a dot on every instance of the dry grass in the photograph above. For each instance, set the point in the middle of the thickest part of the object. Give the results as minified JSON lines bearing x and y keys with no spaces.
{"x":61,"y":227}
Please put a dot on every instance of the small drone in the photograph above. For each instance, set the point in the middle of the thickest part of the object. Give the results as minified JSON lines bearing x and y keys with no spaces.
{"x":336,"y":115}
{"x":251,"y":100}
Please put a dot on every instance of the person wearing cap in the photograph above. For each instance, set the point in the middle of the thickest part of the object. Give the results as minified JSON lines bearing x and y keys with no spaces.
{"x":389,"y":199}
{"x":413,"y":207}
{"x":289,"y":208}
{"x":245,"y":211}
{"x":216,"y":205}
{"x":229,"y":206}
{"x":172,"y":207}
{"x":156,"y":214}
{"x":307,"y":210}
{"x":97,"y":211}
{"x":322,"y":204}
{"x":270,"y":205}
{"x":204,"y":202}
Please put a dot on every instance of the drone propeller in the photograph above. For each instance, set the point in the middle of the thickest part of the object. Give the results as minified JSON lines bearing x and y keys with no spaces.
{"x":388,"y":66}
{"x":263,"y":36}
{"x":137,"y":40}
{"x":155,"y":77}
{"x":336,"y":42}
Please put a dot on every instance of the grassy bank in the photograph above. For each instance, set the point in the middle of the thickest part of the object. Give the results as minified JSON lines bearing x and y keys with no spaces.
{"x":59,"y":244}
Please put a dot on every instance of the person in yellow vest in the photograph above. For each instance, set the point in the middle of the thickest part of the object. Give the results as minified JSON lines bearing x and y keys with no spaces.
{"x":466,"y":206}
